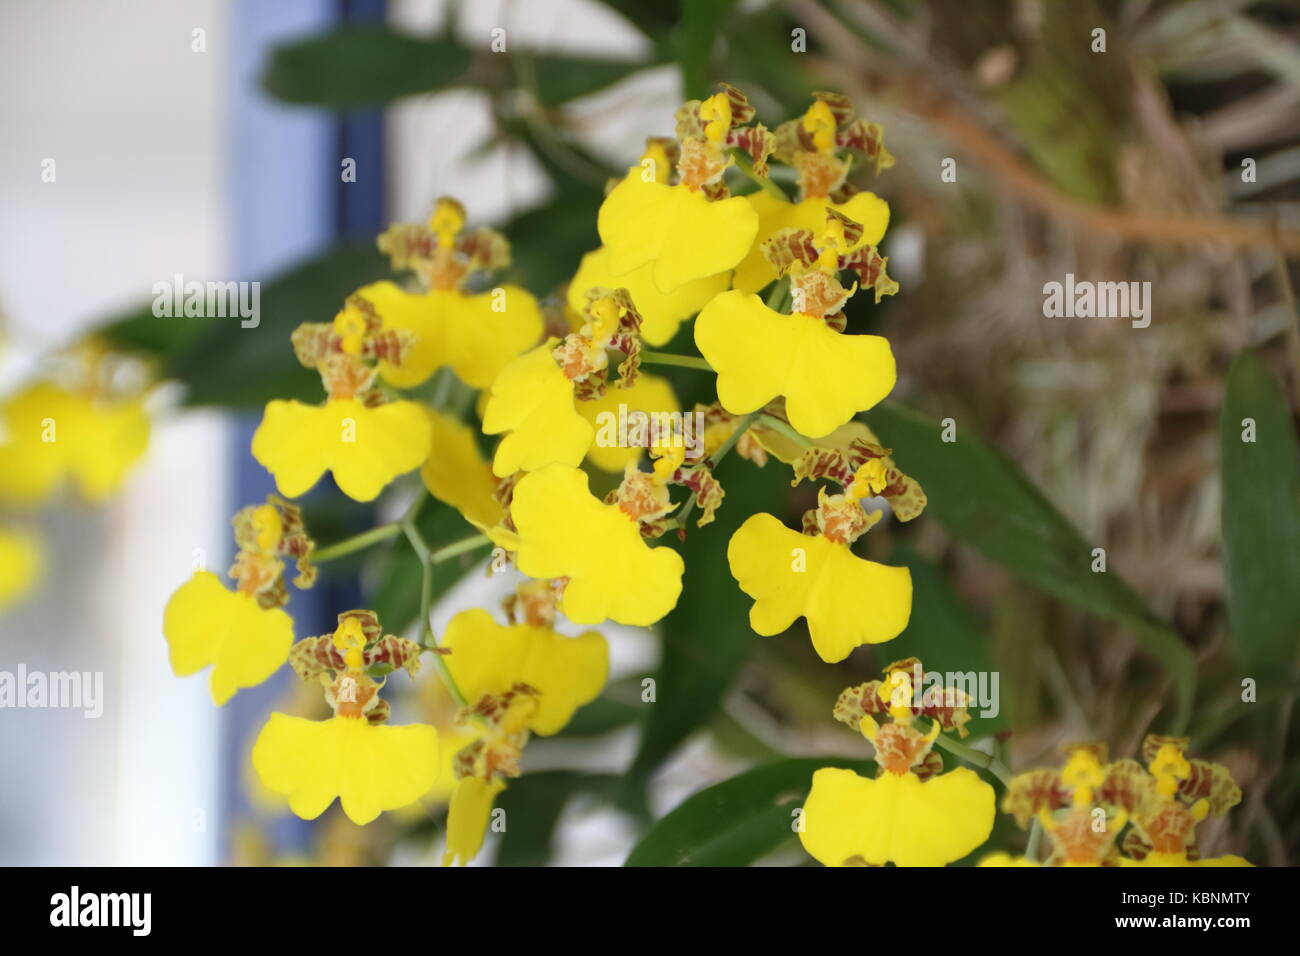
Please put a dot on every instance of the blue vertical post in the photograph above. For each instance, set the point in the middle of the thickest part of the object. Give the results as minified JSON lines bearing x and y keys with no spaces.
{"x":287,"y":202}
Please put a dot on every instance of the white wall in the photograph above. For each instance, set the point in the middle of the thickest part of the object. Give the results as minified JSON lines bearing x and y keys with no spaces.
{"x":132,"y":118}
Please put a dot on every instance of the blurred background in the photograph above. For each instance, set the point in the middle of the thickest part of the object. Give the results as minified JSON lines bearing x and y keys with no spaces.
{"x":206,"y":138}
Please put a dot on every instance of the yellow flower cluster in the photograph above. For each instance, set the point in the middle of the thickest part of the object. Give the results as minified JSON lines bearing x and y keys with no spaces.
{"x":790,"y":381}
{"x":1085,"y":807}
{"x":83,"y":426}
{"x":675,"y":242}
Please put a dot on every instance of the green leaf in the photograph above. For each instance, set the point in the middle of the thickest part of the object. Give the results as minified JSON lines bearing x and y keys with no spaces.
{"x":224,"y":363}
{"x":365,"y":66}
{"x":707,"y":638}
{"x":610,"y":711}
{"x":554,"y":78}
{"x":762,"y":62}
{"x":533,"y":805}
{"x":547,"y":243}
{"x":739,"y":821}
{"x":360,"y":66}
{"x":700,"y":25}
{"x":942,"y":632}
{"x":982,"y":498}
{"x":1261,"y":521}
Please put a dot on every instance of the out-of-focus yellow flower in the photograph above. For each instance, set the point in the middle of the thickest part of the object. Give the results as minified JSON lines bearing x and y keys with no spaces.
{"x":474,"y":335}
{"x":53,"y":435}
{"x":1163,"y":803}
{"x":775,"y":214}
{"x":364,"y":447}
{"x":826,"y":377}
{"x":910,"y":814}
{"x":533,"y":401}
{"x":468,"y":817}
{"x":244,"y":642}
{"x":565,"y":532}
{"x":1180,"y":793}
{"x":1181,"y":859}
{"x":22,"y":564}
{"x":354,"y":756}
{"x":491,"y":658}
{"x":456,"y":472}
{"x":650,"y":396}
{"x":663,"y":312}
{"x":848,"y":601}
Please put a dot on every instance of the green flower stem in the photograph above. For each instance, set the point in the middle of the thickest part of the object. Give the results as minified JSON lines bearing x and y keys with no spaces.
{"x":730,"y":443}
{"x":776,"y":298}
{"x":776,"y":425}
{"x":717,"y":456}
{"x":357,"y":542}
{"x":669,"y":358}
{"x":1035,"y":837}
{"x":428,"y":559}
{"x":746,"y":166}
{"x":448,"y":551}
{"x":976,"y":757}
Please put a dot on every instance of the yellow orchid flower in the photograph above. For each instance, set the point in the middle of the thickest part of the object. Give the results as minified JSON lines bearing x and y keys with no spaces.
{"x":565,"y":532}
{"x":848,"y":601}
{"x":1163,"y":803}
{"x":243,"y":633}
{"x":826,"y":377}
{"x":537,"y":399}
{"x":811,"y":145}
{"x":1001,"y":859}
{"x":22,"y":564}
{"x":851,"y":455}
{"x":691,"y":230}
{"x":354,"y":755}
{"x":364,"y":447}
{"x":519,"y":679}
{"x":774,"y":214}
{"x":650,"y":396}
{"x":909,"y":814}
{"x":468,"y":816}
{"x":206,"y":624}
{"x":1180,"y":858}
{"x":369,"y":767}
{"x":474,"y":335}
{"x":53,"y":435}
{"x":675,"y":231}
{"x":491,"y":658}
{"x":532,"y":399}
{"x":456,"y":472}
{"x":896,"y":817}
{"x":662,"y":312}
{"x":1180,"y":793}
{"x":356,"y":434}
